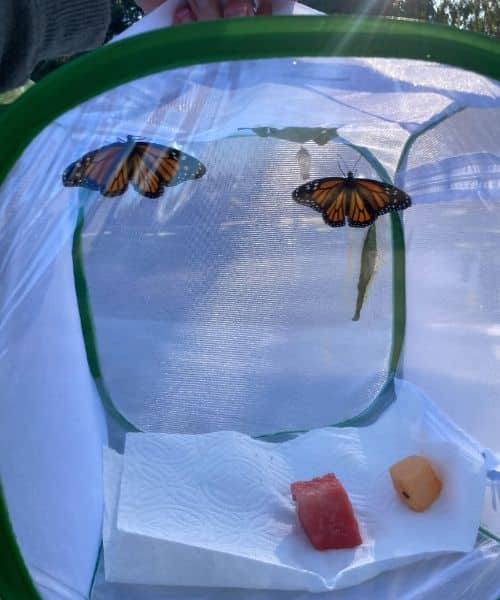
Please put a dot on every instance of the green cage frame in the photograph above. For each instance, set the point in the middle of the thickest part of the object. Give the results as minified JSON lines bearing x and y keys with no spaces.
{"x":224,"y":40}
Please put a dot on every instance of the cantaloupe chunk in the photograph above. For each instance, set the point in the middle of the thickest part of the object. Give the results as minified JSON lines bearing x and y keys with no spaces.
{"x":416,"y":482}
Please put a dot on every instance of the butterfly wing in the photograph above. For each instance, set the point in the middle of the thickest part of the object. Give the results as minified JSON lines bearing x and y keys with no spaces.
{"x":375,"y":198}
{"x":359,"y":211}
{"x":145,"y":179}
{"x":104,"y":169}
{"x":156,"y":167}
{"x":150,"y":167}
{"x":328,"y":196}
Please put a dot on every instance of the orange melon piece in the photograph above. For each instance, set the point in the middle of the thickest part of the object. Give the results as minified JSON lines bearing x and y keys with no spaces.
{"x":416,"y":482}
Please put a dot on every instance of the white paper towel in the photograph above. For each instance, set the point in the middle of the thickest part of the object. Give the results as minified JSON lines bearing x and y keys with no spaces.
{"x":216,"y":509}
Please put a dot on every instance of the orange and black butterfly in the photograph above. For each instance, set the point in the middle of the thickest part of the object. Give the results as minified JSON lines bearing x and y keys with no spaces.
{"x":360,"y":200}
{"x":148,"y":167}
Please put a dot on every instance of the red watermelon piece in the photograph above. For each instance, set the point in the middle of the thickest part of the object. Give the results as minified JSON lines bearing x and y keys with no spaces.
{"x":325,"y":512}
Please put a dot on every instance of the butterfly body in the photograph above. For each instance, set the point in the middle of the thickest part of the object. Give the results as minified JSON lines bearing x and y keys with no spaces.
{"x":148,"y":167}
{"x":360,"y":201}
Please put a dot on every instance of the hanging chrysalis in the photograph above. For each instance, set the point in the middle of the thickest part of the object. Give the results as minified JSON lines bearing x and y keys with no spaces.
{"x":304,"y":161}
{"x":368,"y":268}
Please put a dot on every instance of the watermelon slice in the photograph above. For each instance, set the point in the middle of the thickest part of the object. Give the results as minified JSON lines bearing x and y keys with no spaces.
{"x":325,"y":512}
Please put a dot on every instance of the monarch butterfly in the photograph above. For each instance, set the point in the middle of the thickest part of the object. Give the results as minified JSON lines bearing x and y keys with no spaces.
{"x":149,"y":167}
{"x":360,"y":200}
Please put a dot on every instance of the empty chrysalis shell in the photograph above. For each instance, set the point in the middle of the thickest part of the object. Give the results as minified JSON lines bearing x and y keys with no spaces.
{"x":304,"y":162}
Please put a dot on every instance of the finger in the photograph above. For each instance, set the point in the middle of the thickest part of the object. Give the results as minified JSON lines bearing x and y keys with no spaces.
{"x":238,"y":8}
{"x":183,"y":14}
{"x":264,"y":7}
{"x":205,"y":9}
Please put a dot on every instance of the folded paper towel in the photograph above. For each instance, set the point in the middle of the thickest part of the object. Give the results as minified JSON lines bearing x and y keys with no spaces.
{"x":215,"y":510}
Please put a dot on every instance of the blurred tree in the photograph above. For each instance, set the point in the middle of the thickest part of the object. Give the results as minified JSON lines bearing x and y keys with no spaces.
{"x":124,"y":13}
{"x":476,"y":15}
{"x":414,"y":9}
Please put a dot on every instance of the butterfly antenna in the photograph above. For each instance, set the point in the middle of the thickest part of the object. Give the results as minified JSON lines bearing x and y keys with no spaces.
{"x":357,"y":163}
{"x":341,"y":169}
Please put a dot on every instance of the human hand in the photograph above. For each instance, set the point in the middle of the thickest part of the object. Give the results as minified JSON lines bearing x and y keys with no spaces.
{"x":201,"y":10}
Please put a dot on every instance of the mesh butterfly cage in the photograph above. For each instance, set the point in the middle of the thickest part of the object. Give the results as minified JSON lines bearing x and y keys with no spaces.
{"x":185,"y":324}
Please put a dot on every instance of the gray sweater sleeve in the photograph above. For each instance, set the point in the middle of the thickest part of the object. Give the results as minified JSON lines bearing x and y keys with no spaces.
{"x":34,"y":30}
